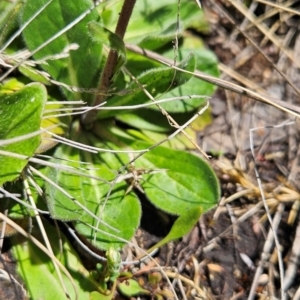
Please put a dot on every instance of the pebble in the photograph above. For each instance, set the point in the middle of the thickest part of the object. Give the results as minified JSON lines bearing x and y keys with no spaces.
{"x":263,"y":279}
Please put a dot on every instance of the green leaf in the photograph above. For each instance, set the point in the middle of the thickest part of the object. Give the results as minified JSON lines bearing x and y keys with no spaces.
{"x":34,"y":75}
{"x":182,"y":184}
{"x":180,"y":141}
{"x":121,"y":212}
{"x":188,"y":181}
{"x":20,"y":114}
{"x":182,"y":225}
{"x":147,"y":119}
{"x":188,"y":187}
{"x":156,"y":81}
{"x":82,"y":67}
{"x":131,"y":288}
{"x":206,"y":62}
{"x":165,"y":37}
{"x":11,"y":85}
{"x":37,"y":271}
{"x":137,"y":64}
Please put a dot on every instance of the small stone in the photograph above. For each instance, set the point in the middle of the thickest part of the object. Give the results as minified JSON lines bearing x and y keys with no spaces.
{"x":263,"y":279}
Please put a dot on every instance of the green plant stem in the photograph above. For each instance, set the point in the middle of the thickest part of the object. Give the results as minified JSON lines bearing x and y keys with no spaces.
{"x":111,"y":62}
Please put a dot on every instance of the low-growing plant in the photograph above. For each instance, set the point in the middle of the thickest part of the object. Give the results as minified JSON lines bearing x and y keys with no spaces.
{"x":87,"y":122}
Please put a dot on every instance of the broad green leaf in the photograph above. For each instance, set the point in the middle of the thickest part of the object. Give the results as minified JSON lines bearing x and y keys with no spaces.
{"x":207,"y":62}
{"x":137,"y":64}
{"x":152,"y":126}
{"x":121,"y":212}
{"x":180,"y":141}
{"x":151,"y":119}
{"x":20,"y":114}
{"x":101,"y":35}
{"x":163,"y":38}
{"x":82,"y":67}
{"x":188,"y":181}
{"x":156,"y":81}
{"x":188,"y":187}
{"x":183,"y":184}
{"x":140,"y":135}
{"x":149,"y":15}
{"x":147,"y":119}
{"x":37,"y":271}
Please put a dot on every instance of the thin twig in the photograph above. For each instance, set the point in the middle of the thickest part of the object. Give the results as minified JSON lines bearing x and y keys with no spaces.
{"x":294,"y":261}
{"x":273,"y":224}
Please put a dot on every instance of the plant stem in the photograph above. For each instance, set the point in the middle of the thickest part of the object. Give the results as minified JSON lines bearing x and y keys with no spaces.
{"x":105,"y":81}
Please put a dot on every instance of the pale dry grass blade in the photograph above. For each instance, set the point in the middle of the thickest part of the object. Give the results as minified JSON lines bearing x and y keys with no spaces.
{"x":270,"y":36}
{"x":264,"y":29}
{"x":273,"y":224}
{"x":271,"y":12}
{"x":15,"y":198}
{"x":266,"y":253}
{"x":281,"y":6}
{"x":294,"y":261}
{"x":43,"y":232}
